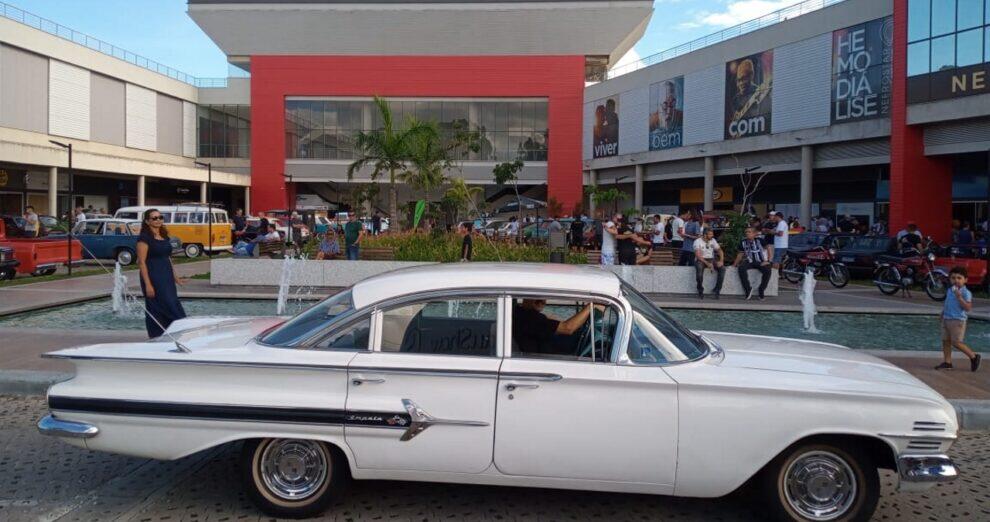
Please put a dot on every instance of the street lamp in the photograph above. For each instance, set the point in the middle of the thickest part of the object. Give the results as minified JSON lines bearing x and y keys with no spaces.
{"x":209,"y":206}
{"x":67,"y":146}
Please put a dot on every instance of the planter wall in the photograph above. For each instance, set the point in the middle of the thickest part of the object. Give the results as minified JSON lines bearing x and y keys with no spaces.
{"x":338,"y":274}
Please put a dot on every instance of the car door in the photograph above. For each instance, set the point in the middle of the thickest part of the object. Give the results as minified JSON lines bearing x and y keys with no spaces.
{"x":92,"y":239}
{"x":430,"y":381}
{"x":586,"y":418}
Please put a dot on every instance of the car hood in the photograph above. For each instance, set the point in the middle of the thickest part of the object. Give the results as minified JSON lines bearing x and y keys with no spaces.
{"x":806,"y":357}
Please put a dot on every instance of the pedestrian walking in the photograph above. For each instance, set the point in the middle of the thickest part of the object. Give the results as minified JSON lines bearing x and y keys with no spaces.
{"x":958,"y":303}
{"x":577,"y":234}
{"x":353,"y":233}
{"x":467,"y":244}
{"x":753,"y":255}
{"x":609,"y":233}
{"x":376,"y":223}
{"x":780,"y":239}
{"x":690,"y":232}
{"x":708,"y":255}
{"x":158,"y":276}
{"x":677,"y":229}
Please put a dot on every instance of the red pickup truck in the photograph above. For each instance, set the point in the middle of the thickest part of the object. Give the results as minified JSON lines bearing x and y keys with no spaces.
{"x":37,"y":255}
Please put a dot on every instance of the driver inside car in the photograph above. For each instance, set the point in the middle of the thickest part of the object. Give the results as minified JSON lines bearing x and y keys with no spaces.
{"x":533,"y":331}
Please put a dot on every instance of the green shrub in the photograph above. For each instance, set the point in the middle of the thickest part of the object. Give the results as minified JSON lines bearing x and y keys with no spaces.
{"x":446,"y":248}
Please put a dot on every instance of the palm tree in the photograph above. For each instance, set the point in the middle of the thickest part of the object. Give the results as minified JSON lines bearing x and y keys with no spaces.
{"x":462,"y":196}
{"x":428,"y":158}
{"x":387,"y":150}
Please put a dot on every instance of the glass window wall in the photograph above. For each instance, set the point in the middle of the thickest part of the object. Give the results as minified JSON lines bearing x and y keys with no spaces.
{"x":325,"y":129}
{"x":945,"y":34}
{"x":224,"y":131}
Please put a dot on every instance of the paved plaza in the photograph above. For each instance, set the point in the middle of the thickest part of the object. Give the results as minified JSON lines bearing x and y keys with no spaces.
{"x":44,"y":479}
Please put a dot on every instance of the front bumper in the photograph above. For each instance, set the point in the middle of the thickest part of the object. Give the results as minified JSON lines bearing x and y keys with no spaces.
{"x":923,"y":471}
{"x":49,"y":425}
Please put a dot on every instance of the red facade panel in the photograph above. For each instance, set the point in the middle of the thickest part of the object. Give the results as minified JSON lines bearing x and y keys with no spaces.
{"x":920,"y":186}
{"x":558,"y":78}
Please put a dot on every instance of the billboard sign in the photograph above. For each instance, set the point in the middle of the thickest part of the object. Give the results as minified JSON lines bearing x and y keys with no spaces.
{"x":606,"y":131}
{"x":749,"y":96}
{"x":861,"y":71}
{"x":667,"y":114}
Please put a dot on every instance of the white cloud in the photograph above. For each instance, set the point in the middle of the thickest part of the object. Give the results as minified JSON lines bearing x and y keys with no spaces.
{"x":739,"y":11}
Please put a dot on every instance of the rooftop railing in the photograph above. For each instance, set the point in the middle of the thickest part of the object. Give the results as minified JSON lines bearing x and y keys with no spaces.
{"x":766,"y":20}
{"x":32,"y":20}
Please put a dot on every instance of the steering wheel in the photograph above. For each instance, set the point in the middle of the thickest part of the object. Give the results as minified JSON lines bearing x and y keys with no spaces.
{"x":600,"y":345}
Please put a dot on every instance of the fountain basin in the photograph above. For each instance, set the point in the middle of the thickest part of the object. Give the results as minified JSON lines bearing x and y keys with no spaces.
{"x":858,"y":331}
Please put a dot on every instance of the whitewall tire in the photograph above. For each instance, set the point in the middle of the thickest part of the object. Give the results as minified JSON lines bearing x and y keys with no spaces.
{"x":292,"y":478}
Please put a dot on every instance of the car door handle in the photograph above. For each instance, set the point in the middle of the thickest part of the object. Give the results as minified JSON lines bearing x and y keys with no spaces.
{"x":358,"y":381}
{"x":513,"y":386}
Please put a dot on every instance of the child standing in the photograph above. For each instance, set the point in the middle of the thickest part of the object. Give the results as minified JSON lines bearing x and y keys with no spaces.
{"x":958,"y":302}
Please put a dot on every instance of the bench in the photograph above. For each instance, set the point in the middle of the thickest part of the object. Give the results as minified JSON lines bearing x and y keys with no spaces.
{"x":661,"y":257}
{"x":377,"y":254}
{"x":271,"y":249}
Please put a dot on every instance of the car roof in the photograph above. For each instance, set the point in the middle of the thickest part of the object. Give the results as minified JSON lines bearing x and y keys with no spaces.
{"x":502,"y":276}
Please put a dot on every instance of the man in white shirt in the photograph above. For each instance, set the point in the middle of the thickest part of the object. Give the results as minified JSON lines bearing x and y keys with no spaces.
{"x":708,"y":254}
{"x":780,"y":239}
{"x":658,"y":232}
{"x":677,"y":231}
{"x":32,"y":226}
{"x":80,"y":215}
{"x":609,"y":233}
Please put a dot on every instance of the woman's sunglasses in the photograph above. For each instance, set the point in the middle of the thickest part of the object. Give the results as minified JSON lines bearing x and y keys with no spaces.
{"x":156,"y":218}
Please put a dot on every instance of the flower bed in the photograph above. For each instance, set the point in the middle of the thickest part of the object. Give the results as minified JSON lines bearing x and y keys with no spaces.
{"x":446,"y":248}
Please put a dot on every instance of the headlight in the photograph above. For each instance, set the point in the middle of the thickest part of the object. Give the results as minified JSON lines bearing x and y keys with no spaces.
{"x":931,"y":257}
{"x":832,"y":252}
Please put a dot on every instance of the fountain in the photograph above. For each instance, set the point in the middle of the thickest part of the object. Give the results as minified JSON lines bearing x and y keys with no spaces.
{"x":807,"y":298}
{"x":284,"y":280}
{"x":121,"y":302}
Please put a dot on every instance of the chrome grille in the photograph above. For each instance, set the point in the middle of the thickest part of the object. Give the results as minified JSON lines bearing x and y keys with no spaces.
{"x":929,"y":426}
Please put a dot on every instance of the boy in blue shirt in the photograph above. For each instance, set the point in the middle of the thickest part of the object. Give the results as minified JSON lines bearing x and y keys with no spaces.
{"x":958,"y":301}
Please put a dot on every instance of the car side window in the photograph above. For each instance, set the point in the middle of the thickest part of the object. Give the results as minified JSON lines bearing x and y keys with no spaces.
{"x":565,"y":329}
{"x":93,"y":227}
{"x":353,"y":336}
{"x":462,"y":326}
{"x":197,"y":217}
{"x":181,"y":217}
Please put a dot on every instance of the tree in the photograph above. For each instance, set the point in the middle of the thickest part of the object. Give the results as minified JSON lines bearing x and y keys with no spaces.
{"x":603,"y":196}
{"x":386,"y":150}
{"x":508,"y":172}
{"x":428,"y":159}
{"x":460,"y":196}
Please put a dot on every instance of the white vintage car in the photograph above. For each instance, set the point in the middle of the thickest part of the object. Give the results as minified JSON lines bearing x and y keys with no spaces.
{"x":521,"y":375}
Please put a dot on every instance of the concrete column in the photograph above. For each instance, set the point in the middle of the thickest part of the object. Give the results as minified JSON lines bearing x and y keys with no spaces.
{"x":807,"y":171}
{"x":140,"y":191}
{"x":638,"y":190}
{"x":247,"y":201}
{"x":53,"y":192}
{"x":367,"y":121}
{"x":592,"y":181}
{"x":709,"y":183}
{"x":202,"y":192}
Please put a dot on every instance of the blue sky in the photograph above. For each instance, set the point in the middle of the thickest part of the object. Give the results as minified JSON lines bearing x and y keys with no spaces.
{"x":160,"y":29}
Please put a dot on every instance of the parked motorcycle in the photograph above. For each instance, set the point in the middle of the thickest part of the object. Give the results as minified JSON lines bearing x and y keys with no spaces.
{"x":822,"y":261}
{"x":900,"y":273}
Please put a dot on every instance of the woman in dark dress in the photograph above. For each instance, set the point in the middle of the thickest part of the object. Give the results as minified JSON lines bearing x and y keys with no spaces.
{"x":158,"y":277}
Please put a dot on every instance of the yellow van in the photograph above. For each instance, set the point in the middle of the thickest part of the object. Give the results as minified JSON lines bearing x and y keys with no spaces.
{"x":190,"y":223}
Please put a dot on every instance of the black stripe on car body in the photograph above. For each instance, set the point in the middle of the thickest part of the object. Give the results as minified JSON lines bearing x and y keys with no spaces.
{"x":322,"y":416}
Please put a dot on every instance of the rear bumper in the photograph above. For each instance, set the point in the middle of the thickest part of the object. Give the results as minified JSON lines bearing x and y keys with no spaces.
{"x":923,"y":471}
{"x":50,"y":425}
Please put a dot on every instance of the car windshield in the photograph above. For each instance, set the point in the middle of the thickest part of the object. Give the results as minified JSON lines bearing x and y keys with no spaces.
{"x":656,"y":337}
{"x":308,"y":323}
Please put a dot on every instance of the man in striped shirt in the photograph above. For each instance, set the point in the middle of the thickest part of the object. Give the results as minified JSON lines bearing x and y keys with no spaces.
{"x":753,"y":255}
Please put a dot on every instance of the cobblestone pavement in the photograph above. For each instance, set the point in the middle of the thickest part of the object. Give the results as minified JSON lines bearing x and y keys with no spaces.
{"x":42,"y":479}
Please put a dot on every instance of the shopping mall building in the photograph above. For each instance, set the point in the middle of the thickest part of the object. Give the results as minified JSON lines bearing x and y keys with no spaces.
{"x":872,"y":108}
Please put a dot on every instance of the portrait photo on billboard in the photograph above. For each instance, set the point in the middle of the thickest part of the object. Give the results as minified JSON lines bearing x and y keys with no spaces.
{"x":606,"y":130}
{"x":748,"y":95}
{"x":667,"y":114}
{"x":861,"y":71}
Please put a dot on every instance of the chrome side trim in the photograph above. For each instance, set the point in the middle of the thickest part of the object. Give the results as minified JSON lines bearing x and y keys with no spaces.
{"x":523,"y":376}
{"x":926,"y":468}
{"x":434,"y":372}
{"x":51,"y":426}
{"x":930,"y":436}
{"x":201,"y":362}
{"x":420,"y":421}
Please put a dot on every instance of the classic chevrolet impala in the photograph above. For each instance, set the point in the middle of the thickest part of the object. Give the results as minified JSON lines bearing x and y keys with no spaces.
{"x":521,"y":375}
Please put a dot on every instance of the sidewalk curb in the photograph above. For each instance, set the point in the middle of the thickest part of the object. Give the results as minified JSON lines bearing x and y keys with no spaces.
{"x":973,"y":415}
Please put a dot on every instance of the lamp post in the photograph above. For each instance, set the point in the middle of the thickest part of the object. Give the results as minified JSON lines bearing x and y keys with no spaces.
{"x":68,"y":244}
{"x":615,"y":203}
{"x":209,"y":205}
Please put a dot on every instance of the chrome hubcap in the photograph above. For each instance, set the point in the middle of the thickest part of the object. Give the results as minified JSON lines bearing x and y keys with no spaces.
{"x":820,"y":485}
{"x":294,"y":469}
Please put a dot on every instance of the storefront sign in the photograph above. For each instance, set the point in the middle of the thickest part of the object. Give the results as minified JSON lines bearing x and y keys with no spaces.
{"x":697,"y":195}
{"x":861,"y":71}
{"x":667,"y":114}
{"x":606,"y":130}
{"x":748,"y":96}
